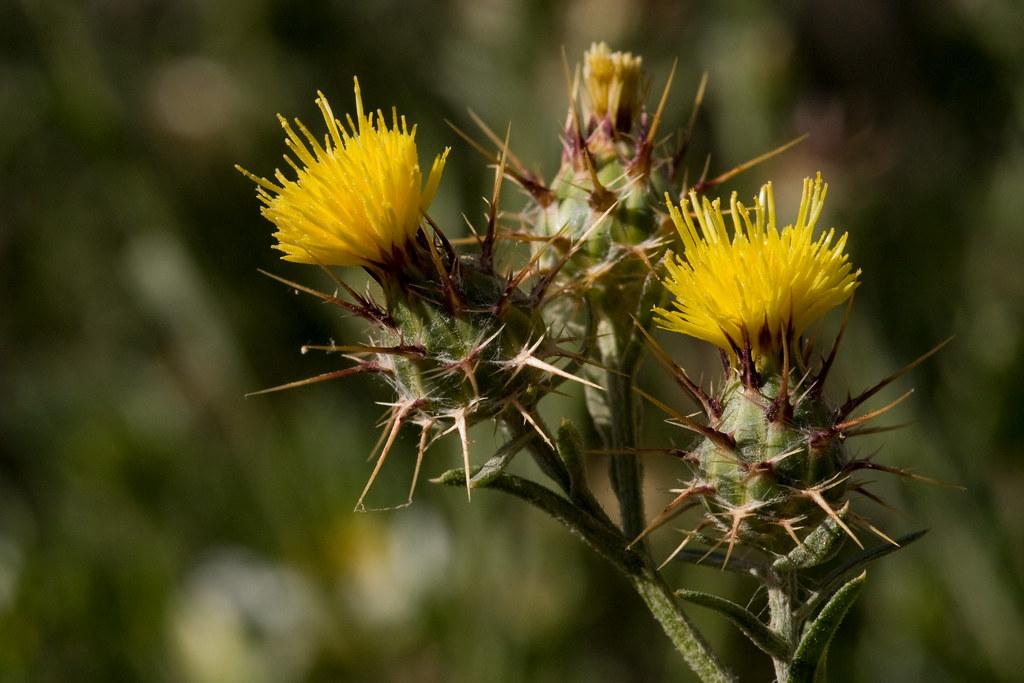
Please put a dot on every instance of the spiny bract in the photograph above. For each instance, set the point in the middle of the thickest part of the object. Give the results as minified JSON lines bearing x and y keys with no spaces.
{"x":458,"y":340}
{"x":772,"y":465}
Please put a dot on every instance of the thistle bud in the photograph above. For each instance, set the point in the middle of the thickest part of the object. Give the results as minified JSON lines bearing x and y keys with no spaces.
{"x":457,"y":341}
{"x":771,"y":466}
{"x":614,"y":84}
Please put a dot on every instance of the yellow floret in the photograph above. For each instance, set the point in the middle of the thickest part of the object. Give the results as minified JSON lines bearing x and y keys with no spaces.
{"x":613,"y":82}
{"x":764,"y":285}
{"x":357,"y":199}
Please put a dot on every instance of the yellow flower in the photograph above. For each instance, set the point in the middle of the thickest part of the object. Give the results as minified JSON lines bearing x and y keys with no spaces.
{"x":357,"y":198}
{"x":613,"y":82}
{"x":762,"y":286}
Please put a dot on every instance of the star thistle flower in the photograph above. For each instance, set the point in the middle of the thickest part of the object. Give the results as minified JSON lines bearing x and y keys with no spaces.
{"x":764,"y":286}
{"x":613,"y":83}
{"x":356,"y":199}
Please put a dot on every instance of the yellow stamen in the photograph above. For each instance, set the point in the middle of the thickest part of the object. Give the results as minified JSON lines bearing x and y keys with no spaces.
{"x":613,"y":82}
{"x":762,"y":286}
{"x":357,"y":198}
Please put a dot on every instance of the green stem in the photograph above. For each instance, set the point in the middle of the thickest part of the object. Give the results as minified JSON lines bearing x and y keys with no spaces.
{"x":625,"y":469}
{"x":687,"y":640}
{"x":781,"y":588}
{"x":609,"y":542}
{"x":542,"y":454}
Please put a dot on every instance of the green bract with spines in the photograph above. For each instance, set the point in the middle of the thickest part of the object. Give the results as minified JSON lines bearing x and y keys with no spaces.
{"x":762,"y":472}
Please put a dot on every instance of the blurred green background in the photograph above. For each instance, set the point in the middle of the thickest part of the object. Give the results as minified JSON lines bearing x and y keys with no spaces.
{"x":155,"y":525}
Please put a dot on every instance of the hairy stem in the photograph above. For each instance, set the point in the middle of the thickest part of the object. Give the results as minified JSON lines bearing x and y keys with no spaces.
{"x":687,"y":640}
{"x":781,"y":608}
{"x":543,"y":454}
{"x":609,"y":542}
{"x":626,"y":475}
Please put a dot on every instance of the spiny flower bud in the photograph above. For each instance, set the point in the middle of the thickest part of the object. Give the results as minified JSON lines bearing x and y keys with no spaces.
{"x":457,"y":340}
{"x":772,"y":465}
{"x":602,"y":217}
{"x":614,"y":82}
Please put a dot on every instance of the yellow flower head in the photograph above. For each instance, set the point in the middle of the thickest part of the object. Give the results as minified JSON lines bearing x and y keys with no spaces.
{"x":764,"y":285}
{"x":613,"y":82}
{"x":357,"y":198}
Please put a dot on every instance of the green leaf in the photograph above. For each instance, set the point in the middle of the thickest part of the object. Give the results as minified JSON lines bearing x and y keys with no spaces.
{"x":833,"y":579}
{"x":497,"y":463}
{"x":862,"y":558}
{"x":570,"y":449}
{"x":819,"y":633}
{"x":752,"y":627}
{"x":817,"y":547}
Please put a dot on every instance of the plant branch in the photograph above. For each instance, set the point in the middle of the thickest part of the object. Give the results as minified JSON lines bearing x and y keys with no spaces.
{"x":609,"y":542}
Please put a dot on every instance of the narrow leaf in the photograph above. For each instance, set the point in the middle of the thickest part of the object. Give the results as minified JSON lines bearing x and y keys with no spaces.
{"x":819,"y":633}
{"x":570,"y":449}
{"x":752,"y":627}
{"x":497,"y":463}
{"x":816,"y":548}
{"x":868,"y":555}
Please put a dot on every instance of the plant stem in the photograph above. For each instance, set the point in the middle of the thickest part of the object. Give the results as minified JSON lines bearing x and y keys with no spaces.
{"x":609,"y":542}
{"x":687,"y":640}
{"x":542,"y":454}
{"x":780,"y":606}
{"x":626,"y":475}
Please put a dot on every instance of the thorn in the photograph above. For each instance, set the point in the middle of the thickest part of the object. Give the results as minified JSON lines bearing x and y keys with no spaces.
{"x":774,"y":461}
{"x":853,"y":403}
{"x":875,"y":530}
{"x":788,"y":525}
{"x":527,"y":417}
{"x":703,"y":174}
{"x":535,"y":362}
{"x":445,"y":242}
{"x":487,"y":248}
{"x":528,"y":181}
{"x":781,"y":409}
{"x":799,"y":385}
{"x":679,"y":504}
{"x":747,"y":165}
{"x":738,"y":515}
{"x":876,"y":430}
{"x":684,"y":145}
{"x":368,"y":312}
{"x":819,"y":500}
{"x":405,"y":350}
{"x":398,"y":419}
{"x":649,"y":139}
{"x":679,"y":548}
{"x":677,"y":453}
{"x":721,"y":439}
{"x":866,"y":464}
{"x":538,"y":291}
{"x":460,"y":425}
{"x":421,"y":449}
{"x":600,"y":197}
{"x":451,"y":295}
{"x":710,"y":406}
{"x":843,"y":426}
{"x":525,"y":271}
{"x":504,"y":149}
{"x":364,"y":368}
{"x":819,"y":381}
{"x":860,"y":488}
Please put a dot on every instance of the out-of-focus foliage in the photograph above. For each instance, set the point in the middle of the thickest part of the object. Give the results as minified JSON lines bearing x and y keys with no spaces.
{"x":156,"y":525}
